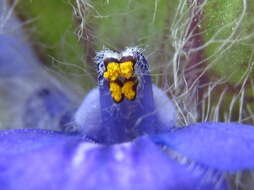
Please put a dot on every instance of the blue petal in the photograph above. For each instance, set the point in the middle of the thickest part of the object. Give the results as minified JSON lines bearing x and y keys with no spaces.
{"x":165,"y":109}
{"x":49,"y":108}
{"x":24,"y":140}
{"x":9,"y":23}
{"x":88,"y":115}
{"x":21,"y":75}
{"x":15,"y":57}
{"x":64,"y":163}
{"x":222,"y":146}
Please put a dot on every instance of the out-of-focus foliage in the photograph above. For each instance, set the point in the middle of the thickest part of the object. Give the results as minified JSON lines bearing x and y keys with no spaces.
{"x":229,"y":26}
{"x":226,"y":29}
{"x":110,"y":23}
{"x":127,"y":23}
{"x":52,"y":28}
{"x":229,"y":33}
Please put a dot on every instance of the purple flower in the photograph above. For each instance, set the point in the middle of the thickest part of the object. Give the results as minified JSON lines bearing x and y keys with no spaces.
{"x":148,"y":111}
{"x":123,"y":136}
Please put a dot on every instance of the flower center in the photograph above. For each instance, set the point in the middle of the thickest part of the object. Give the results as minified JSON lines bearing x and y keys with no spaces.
{"x":116,"y":92}
{"x":129,"y":90}
{"x":113,"y":71}
{"x":126,"y":69}
{"x":122,"y":82}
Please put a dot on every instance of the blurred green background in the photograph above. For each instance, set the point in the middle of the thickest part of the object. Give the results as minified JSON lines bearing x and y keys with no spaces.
{"x":227,"y":29}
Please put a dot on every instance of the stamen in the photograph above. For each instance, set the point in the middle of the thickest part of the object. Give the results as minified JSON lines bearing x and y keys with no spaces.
{"x":119,"y":75}
{"x":115,"y":90}
{"x":129,"y":90}
{"x":126,"y":69}
{"x":113,"y":71}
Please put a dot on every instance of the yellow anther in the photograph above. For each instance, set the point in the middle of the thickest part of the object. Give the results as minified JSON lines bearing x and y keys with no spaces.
{"x":113,"y":71}
{"x":126,"y":69}
{"x":115,"y":90}
{"x":128,"y":90}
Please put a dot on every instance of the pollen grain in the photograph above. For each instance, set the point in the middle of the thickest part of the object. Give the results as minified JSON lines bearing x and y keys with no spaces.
{"x":115,"y":90}
{"x":128,"y":90}
{"x":113,"y":71}
{"x":126,"y":69}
